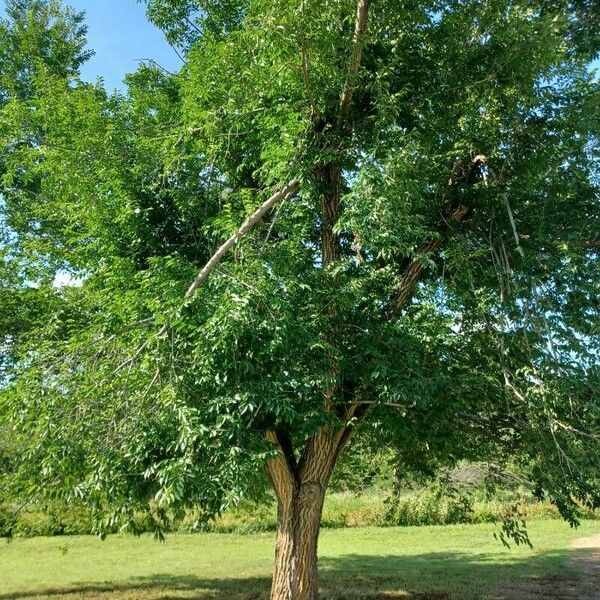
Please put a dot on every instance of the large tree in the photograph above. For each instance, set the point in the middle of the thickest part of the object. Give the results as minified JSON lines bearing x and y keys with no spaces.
{"x":338,"y":215}
{"x":36,"y":37}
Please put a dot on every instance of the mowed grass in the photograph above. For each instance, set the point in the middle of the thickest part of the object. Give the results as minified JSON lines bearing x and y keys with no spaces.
{"x":464,"y":561}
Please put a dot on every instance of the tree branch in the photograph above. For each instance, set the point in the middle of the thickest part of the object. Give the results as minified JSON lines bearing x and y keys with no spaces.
{"x":331,"y":173}
{"x":513,"y":226}
{"x":287,"y":448}
{"x":305,"y":63}
{"x":413,"y":269}
{"x":412,"y":273}
{"x":284,"y":481}
{"x":247,"y":225}
{"x":360,"y":27}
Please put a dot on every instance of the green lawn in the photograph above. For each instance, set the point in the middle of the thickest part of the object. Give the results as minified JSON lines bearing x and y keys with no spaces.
{"x":464,"y":561}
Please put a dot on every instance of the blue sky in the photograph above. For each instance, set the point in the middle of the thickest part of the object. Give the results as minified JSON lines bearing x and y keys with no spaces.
{"x":120,"y":35}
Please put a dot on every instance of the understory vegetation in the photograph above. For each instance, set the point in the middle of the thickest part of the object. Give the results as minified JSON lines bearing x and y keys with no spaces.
{"x":350,"y":504}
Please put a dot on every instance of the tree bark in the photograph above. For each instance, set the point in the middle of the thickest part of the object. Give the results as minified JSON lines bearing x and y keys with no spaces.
{"x":330,"y":179}
{"x":300,"y":489}
{"x":299,"y":517}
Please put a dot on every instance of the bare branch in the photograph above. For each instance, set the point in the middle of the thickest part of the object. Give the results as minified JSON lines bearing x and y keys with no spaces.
{"x":572,"y":429}
{"x":247,"y":225}
{"x":513,"y":226}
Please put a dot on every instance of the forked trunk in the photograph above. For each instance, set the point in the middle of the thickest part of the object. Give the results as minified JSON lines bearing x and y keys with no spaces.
{"x":299,"y":518}
{"x":300,"y":489}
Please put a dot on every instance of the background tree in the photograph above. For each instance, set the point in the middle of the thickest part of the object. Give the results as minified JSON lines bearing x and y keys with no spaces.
{"x":429,"y":270}
{"x":36,"y":37}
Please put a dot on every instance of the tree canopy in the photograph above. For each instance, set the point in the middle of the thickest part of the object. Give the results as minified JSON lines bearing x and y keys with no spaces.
{"x":431,"y":279}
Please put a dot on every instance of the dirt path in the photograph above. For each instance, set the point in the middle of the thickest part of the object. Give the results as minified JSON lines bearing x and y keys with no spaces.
{"x":585,"y":560}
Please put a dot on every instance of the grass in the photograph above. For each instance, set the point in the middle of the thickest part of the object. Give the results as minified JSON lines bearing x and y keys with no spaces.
{"x":462,"y":560}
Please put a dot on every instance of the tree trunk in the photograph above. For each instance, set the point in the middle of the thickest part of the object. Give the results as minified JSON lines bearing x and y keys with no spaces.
{"x":300,"y":489}
{"x":299,"y":519}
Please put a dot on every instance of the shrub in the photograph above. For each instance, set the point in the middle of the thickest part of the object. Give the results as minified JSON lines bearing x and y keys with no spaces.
{"x":6,"y":521}
{"x":431,"y":505}
{"x":55,"y":519}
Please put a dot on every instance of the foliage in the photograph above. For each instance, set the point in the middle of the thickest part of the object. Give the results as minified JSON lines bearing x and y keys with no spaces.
{"x":38,"y":36}
{"x":434,"y":280}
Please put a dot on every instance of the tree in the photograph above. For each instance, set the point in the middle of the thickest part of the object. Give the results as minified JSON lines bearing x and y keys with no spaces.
{"x":418,"y":187}
{"x":36,"y":37}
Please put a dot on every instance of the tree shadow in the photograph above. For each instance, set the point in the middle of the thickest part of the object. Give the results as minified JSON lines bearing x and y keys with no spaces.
{"x":432,"y":576}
